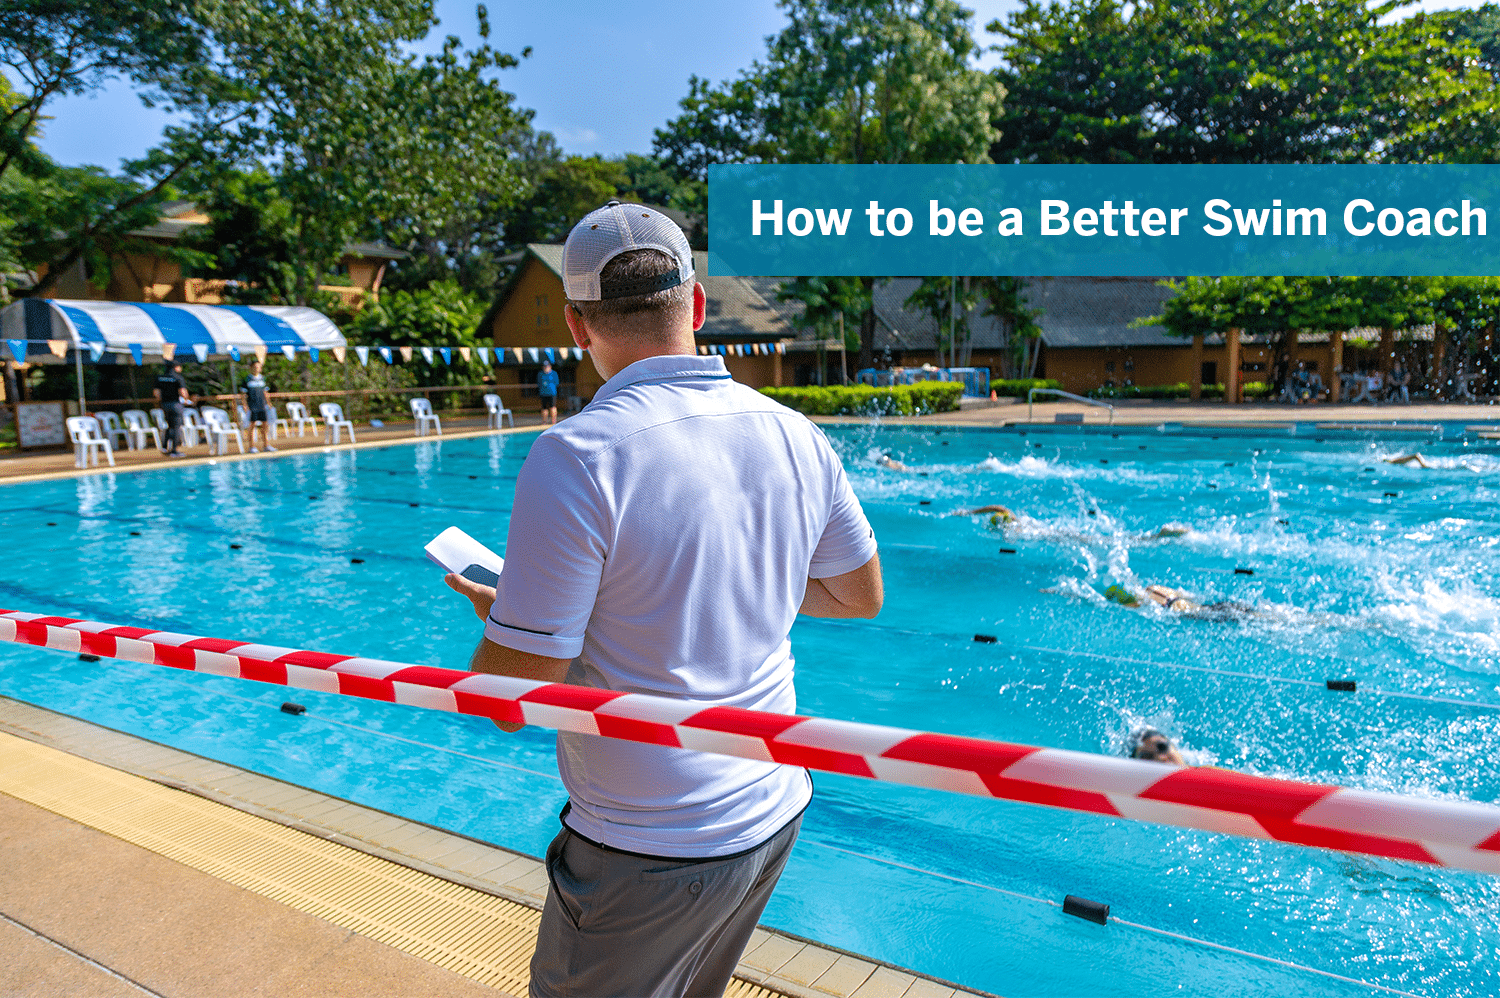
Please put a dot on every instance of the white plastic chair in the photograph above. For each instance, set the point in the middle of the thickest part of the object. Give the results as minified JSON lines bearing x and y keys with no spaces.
{"x":160,"y":419}
{"x":333,"y":418}
{"x":496,"y":412}
{"x":193,"y":426}
{"x":109,"y":426}
{"x":421,"y":411}
{"x":88,"y":441}
{"x":244,"y":416}
{"x":277,"y":422}
{"x":219,"y":429}
{"x":137,"y":425}
{"x":297,"y":413}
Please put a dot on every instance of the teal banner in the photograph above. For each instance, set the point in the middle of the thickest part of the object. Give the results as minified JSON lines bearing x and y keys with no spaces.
{"x":1104,"y":220}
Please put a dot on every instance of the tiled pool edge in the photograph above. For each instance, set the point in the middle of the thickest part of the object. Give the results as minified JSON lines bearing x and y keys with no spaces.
{"x":774,"y":960}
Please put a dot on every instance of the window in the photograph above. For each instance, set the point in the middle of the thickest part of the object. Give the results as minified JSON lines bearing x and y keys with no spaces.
{"x":541,"y":301}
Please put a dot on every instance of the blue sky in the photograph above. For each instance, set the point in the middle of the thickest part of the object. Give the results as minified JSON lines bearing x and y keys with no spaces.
{"x":602,"y":76}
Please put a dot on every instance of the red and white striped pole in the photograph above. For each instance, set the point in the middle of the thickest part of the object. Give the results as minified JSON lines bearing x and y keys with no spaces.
{"x":1451,"y":833}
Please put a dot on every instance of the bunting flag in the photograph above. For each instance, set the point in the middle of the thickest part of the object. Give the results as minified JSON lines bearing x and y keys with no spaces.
{"x":465,"y":353}
{"x":96,"y":350}
{"x":447,"y":354}
{"x":59,"y":348}
{"x":702,"y":350}
{"x":426,"y":354}
{"x":260,"y":353}
{"x":289,"y":351}
{"x":363,"y":353}
{"x":168,"y":351}
{"x":200,"y":350}
{"x":551,"y":357}
{"x":339,"y":353}
{"x":385,"y":354}
{"x":517,"y":352}
{"x":312,"y":353}
{"x":234,"y":352}
{"x":405,"y":354}
{"x":135,"y":353}
{"x":781,"y":348}
{"x":484,"y":356}
{"x":17,"y":350}
{"x":534,"y":354}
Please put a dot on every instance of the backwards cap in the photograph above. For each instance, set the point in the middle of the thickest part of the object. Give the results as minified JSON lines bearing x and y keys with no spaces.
{"x":619,"y":228}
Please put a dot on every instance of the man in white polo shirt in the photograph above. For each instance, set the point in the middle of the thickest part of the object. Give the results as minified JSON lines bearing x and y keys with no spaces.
{"x":662,"y":541}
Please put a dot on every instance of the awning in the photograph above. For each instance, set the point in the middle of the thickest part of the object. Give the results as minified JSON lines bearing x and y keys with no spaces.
{"x":108,"y":331}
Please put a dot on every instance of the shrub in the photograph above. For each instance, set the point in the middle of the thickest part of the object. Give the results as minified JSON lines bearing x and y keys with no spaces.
{"x":863,"y":400}
{"x":1018,"y":387}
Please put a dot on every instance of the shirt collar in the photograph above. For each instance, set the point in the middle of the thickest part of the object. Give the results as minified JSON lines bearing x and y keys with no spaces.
{"x":667,"y":367}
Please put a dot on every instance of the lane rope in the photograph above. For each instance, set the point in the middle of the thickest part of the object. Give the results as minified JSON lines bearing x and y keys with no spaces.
{"x":1452,"y":833}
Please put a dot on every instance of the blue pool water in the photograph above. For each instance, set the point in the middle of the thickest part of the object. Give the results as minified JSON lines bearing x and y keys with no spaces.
{"x":1399,"y":591}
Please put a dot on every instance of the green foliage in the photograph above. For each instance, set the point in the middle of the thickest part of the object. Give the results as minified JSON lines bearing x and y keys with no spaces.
{"x":846,"y":81}
{"x":441,"y":315}
{"x":1276,"y":305}
{"x":863,"y":400}
{"x":823,"y":300}
{"x":949,"y":302}
{"x":1019,"y":387}
{"x":1216,"y":81}
{"x":1003,"y":299}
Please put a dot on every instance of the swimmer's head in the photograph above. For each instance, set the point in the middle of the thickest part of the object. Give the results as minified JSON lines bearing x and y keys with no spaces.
{"x":1153,"y":746}
{"x":1002,"y":515}
{"x":1121,"y":595}
{"x":1173,"y":530}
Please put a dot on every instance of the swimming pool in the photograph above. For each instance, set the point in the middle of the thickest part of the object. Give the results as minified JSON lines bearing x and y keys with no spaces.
{"x":1388,"y":576}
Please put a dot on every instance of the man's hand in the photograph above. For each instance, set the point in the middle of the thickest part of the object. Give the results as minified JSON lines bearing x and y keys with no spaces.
{"x":483,"y":597}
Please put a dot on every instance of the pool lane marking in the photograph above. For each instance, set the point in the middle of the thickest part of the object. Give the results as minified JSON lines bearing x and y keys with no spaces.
{"x":373,"y":731}
{"x":1113,"y":918}
{"x":358,"y":498}
{"x":1442,"y":832}
{"x":1062,"y":653}
{"x":269,"y":540}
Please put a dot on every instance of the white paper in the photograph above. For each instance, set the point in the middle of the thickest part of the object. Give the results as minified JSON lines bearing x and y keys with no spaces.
{"x":457,"y":552}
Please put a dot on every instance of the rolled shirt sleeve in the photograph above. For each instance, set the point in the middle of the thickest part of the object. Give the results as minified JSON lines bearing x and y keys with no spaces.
{"x":554,"y":556}
{"x":848,"y":540}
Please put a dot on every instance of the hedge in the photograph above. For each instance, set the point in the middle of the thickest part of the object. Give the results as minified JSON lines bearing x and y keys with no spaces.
{"x":1019,"y":387}
{"x":1181,"y":390}
{"x":863,"y":400}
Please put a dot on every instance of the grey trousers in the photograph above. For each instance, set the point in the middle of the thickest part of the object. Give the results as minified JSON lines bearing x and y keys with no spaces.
{"x":629,"y":926}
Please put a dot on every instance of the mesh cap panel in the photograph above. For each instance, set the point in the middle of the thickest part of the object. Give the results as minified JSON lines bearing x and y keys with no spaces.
{"x":614,"y":229}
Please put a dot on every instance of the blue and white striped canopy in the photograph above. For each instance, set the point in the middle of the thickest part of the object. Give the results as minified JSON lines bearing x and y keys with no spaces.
{"x":110,"y":330}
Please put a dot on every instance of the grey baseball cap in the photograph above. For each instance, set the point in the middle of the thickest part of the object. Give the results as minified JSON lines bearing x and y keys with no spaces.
{"x":618,"y":228}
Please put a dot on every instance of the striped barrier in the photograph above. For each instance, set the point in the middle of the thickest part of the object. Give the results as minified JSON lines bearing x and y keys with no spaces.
{"x":1442,"y":832}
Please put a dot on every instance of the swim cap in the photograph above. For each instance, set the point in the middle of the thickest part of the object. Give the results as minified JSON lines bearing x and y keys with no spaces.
{"x":1119,"y":594}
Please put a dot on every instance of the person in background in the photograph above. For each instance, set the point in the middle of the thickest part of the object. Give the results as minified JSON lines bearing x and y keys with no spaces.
{"x":172,"y":394}
{"x":255,"y":403}
{"x":1398,"y":388}
{"x":546,"y":388}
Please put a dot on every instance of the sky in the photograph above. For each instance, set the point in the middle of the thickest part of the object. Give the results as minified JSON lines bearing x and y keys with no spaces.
{"x":603,"y":74}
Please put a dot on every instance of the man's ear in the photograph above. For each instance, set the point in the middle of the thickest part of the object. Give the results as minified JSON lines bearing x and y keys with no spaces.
{"x":576,"y":326}
{"x":700,"y":306}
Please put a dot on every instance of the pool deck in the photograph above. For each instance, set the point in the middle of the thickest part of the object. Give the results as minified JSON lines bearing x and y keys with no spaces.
{"x":133,"y":868}
{"x":19,"y":466}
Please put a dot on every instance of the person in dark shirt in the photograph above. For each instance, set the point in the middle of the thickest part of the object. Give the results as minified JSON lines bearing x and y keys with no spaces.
{"x":171,"y":395}
{"x":255,"y":402}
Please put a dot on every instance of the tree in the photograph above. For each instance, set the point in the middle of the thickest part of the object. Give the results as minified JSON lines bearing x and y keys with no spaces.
{"x":827,"y":303}
{"x":443,"y":315}
{"x":949,"y":302}
{"x":1003,"y":299}
{"x":1220,"y":81}
{"x":846,"y":81}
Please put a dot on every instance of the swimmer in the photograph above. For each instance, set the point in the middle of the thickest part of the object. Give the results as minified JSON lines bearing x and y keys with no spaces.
{"x":891,"y":464}
{"x":1413,"y":458}
{"x":997,"y":514}
{"x":1179,"y":602}
{"x":1153,"y":746}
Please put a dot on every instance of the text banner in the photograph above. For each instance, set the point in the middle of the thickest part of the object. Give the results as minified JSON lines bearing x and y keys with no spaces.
{"x":1104,"y":220}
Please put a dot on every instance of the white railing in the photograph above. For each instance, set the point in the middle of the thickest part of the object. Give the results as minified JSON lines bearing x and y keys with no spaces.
{"x":1069,"y":395}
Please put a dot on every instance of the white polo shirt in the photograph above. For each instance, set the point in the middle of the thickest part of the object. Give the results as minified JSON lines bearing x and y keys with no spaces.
{"x":663,"y":538}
